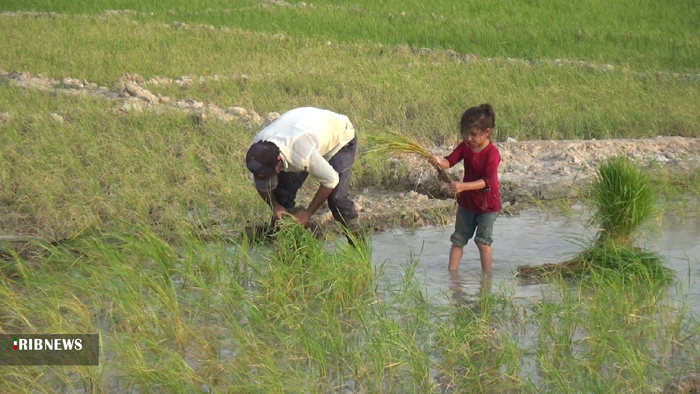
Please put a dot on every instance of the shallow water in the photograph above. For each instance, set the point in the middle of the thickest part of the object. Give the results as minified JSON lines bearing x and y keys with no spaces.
{"x":531,"y":237}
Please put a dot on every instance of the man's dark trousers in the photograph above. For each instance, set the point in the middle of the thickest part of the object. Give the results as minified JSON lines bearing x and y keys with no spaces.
{"x":342,"y":208}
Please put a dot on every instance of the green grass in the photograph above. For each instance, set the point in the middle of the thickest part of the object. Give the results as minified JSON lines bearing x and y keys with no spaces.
{"x":148,"y":206}
{"x":639,"y":35}
{"x":606,"y":341}
{"x":297,"y":317}
{"x":102,"y":169}
{"x":679,"y":192}
{"x":383,"y":85}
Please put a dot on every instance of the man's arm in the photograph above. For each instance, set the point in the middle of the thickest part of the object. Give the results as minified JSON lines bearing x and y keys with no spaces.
{"x":320,"y":169}
{"x":320,"y":197}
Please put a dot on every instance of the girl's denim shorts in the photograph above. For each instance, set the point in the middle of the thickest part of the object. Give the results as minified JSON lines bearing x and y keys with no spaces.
{"x":468,"y":222}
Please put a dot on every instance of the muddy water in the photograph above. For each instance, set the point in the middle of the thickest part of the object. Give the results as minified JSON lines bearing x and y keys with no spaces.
{"x":532,"y":237}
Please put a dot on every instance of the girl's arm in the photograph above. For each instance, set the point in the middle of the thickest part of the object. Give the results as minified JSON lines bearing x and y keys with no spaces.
{"x":449,"y":161}
{"x":488,"y":178}
{"x":458,"y":187}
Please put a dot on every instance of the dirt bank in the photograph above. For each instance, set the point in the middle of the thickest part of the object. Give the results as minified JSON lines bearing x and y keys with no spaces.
{"x":530,"y":170}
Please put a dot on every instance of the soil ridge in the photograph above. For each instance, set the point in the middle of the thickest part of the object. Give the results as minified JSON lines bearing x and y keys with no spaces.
{"x":529,"y":171}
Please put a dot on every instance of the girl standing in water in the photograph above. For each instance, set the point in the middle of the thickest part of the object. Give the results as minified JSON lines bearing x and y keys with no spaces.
{"x":478,"y":195}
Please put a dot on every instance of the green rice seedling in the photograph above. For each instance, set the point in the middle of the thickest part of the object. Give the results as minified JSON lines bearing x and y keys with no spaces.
{"x":391,"y":338}
{"x":394,"y":142}
{"x":558,"y":321}
{"x":622,"y":339}
{"x":394,"y":340}
{"x":626,"y":34}
{"x":109,"y":171}
{"x":278,"y":78}
{"x":678,"y":191}
{"x":300,"y":269}
{"x":571,"y":268}
{"x":625,"y":263}
{"x":623,"y":198}
{"x":474,"y":354}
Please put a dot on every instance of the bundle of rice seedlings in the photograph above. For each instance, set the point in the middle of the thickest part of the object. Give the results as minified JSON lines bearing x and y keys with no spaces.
{"x":627,"y":263}
{"x":624,"y":263}
{"x":623,"y":197}
{"x":395,"y":143}
{"x":567,"y":269}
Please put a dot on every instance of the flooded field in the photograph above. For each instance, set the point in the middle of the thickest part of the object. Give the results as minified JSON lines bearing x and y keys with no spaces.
{"x":532,"y":237}
{"x":578,"y":320}
{"x":328,"y":318}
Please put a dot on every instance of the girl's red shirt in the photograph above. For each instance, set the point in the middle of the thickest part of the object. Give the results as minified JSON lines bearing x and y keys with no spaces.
{"x":479,"y":165}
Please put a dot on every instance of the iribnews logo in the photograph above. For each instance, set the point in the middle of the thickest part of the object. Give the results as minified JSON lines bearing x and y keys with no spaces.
{"x":48,"y":344}
{"x":49,"y":349}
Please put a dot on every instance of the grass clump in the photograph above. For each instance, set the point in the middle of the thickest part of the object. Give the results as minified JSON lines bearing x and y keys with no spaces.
{"x":102,"y":170}
{"x":629,"y":34}
{"x":475,"y":355}
{"x":623,"y":263}
{"x":301,"y":269}
{"x":399,"y":86}
{"x":214,"y":317}
{"x":623,"y":339}
{"x":623,"y":199}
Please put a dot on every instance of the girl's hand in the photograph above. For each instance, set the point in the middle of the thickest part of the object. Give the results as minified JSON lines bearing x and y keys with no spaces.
{"x":457,"y":187}
{"x":436,"y":161}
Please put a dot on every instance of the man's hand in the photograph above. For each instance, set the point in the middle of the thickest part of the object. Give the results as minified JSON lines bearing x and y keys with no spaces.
{"x":277,"y":212}
{"x":303,"y":217}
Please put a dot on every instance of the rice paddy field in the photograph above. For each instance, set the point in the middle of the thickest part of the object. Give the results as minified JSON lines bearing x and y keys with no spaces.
{"x":141,"y":213}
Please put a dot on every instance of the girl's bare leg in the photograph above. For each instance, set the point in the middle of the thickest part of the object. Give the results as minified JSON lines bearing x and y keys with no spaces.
{"x":485,"y":256}
{"x":455,"y":257}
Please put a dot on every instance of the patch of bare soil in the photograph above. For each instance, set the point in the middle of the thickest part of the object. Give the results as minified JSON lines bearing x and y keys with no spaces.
{"x":529,"y":171}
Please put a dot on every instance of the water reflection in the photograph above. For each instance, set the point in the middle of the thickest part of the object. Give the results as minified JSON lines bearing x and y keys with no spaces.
{"x":461,"y":295}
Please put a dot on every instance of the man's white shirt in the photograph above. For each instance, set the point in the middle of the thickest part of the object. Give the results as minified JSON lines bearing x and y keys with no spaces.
{"x":307,"y":138}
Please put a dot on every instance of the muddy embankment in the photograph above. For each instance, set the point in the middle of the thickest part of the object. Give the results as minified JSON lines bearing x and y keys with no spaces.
{"x":529,"y":171}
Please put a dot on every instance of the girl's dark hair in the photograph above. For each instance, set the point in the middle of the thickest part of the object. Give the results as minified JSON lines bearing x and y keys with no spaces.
{"x":481,"y":117}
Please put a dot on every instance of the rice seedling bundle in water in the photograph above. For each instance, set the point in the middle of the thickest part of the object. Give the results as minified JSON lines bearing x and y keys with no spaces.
{"x":623,"y":198}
